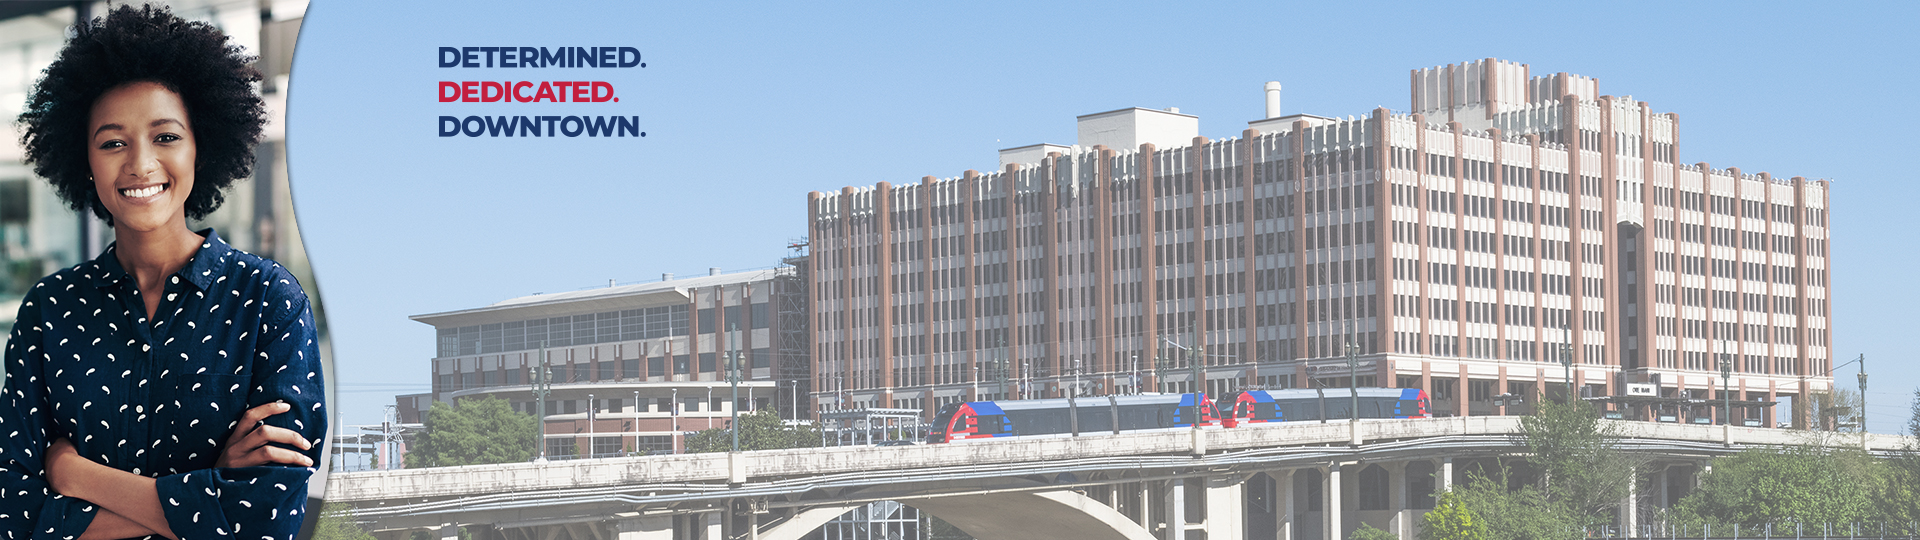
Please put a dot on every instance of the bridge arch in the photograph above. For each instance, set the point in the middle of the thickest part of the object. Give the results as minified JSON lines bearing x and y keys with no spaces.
{"x":997,"y":516}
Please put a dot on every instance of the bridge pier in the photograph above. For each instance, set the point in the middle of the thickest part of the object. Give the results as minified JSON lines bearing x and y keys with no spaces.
{"x":1629,"y":505}
{"x":1176,"y":509}
{"x":1226,"y":502}
{"x":1397,"y":499}
{"x":1331,"y":509}
{"x":1283,"y":503}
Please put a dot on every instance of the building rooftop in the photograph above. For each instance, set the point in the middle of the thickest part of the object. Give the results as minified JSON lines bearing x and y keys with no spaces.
{"x":641,"y":295}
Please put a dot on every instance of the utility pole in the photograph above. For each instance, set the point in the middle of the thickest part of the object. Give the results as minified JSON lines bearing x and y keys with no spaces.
{"x":542,"y":387}
{"x":1863,"y":393}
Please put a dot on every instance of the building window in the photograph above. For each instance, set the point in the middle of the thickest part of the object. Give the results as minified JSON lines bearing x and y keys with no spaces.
{"x":562,"y":447}
{"x":761,"y":317}
{"x":736,"y":318}
{"x":650,"y":445}
{"x":630,"y":368}
{"x":607,"y":446}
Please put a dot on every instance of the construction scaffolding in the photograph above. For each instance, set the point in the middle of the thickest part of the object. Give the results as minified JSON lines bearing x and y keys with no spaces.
{"x":794,"y":341}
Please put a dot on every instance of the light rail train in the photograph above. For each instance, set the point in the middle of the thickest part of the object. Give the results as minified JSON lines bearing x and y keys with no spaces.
{"x":1062,"y":417}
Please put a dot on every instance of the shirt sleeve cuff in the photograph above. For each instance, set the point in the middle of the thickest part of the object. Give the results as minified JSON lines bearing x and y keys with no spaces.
{"x":64,"y":518}
{"x":191,"y":502}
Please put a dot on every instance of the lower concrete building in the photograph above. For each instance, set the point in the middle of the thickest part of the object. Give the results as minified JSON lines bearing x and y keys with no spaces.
{"x":631,"y":367}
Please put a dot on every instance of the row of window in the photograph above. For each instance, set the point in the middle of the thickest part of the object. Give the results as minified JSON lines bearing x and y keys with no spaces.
{"x":627,"y":369}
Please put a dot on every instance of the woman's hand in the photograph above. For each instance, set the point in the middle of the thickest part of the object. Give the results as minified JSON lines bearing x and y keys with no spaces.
{"x":251,"y":441}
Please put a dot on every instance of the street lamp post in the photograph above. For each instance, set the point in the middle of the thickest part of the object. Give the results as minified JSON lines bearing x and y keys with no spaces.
{"x":1136,"y":373}
{"x":1026,"y":378}
{"x":1726,"y":398}
{"x":733,"y":377}
{"x":1000,"y":365}
{"x":1353,"y":373}
{"x":1566,"y":359}
{"x":542,"y":387}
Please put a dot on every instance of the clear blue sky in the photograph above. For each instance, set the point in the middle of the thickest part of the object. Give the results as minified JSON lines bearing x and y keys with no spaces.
{"x":749,"y":107}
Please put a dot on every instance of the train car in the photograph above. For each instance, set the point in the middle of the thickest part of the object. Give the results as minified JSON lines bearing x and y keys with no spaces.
{"x":1263,"y":406}
{"x":974,"y":420}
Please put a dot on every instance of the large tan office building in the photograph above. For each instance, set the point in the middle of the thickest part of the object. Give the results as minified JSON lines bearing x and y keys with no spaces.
{"x":1461,"y":247}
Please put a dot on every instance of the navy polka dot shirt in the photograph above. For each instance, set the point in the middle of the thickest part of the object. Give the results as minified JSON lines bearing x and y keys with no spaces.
{"x":159,"y":397}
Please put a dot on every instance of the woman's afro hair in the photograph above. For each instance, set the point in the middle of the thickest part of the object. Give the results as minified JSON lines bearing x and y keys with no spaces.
{"x":214,"y":80}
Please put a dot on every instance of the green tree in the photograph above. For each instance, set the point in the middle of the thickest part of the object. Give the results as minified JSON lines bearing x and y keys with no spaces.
{"x":476,"y":432}
{"x":1578,"y":455}
{"x":1801,"y":483}
{"x":1367,"y":532}
{"x":1450,"y":519}
{"x":1525,"y":513}
{"x":1902,"y":501}
{"x":761,"y":430}
{"x":337,"y":522}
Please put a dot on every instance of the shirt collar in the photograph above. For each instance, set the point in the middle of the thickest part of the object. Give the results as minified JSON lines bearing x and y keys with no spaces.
{"x":199,"y":271}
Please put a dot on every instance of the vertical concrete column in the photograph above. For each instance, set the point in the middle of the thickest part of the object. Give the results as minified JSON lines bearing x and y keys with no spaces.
{"x":644,"y":528}
{"x":1332,"y":506}
{"x":1283,"y":499}
{"x":1446,"y":474}
{"x":1146,"y":506}
{"x":1401,"y":522}
{"x":1661,"y":487}
{"x":1226,"y":508}
{"x":1628,"y":506}
{"x":713,"y":525}
{"x":450,"y":531}
{"x":1176,"y":509}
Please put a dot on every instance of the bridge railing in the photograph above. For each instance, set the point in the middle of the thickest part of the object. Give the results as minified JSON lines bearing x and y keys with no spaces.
{"x":1762,"y":531}
{"x":724,"y":468}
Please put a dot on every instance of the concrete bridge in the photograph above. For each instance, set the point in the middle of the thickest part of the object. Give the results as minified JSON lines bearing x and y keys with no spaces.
{"x":1293,"y":480}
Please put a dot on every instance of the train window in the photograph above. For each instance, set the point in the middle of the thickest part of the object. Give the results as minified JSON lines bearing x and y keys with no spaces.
{"x":990,"y":425}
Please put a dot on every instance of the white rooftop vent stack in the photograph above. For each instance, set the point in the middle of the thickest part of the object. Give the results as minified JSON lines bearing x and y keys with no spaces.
{"x":610,"y":284}
{"x":713,"y":271}
{"x":1273,"y":99}
{"x":1124,"y":130}
{"x":666,"y":276}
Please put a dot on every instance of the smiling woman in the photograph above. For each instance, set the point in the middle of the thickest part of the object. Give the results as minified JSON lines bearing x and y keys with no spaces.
{"x":171,"y":386}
